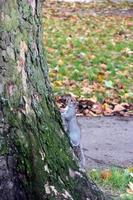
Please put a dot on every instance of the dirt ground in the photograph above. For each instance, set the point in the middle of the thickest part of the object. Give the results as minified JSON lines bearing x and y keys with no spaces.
{"x":107,"y":141}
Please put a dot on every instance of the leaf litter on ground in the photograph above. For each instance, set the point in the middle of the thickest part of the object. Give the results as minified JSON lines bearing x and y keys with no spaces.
{"x":90,"y":55}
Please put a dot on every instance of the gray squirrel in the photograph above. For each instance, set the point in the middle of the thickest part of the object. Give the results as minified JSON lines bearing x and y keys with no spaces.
{"x":72,"y":128}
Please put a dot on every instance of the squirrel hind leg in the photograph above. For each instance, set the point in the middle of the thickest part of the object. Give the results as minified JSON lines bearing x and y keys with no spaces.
{"x":80,"y":155}
{"x":82,"y":158}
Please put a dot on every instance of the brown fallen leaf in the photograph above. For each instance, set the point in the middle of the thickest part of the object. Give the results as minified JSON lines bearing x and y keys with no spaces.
{"x":103,"y":66}
{"x":51,"y":50}
{"x":86,"y":111}
{"x":118,"y":108}
{"x":130,"y":189}
{"x":85,"y":83}
{"x":97,"y":108}
{"x":106,"y":174}
{"x":92,"y":114}
{"x":93,"y":99}
{"x":125,"y":104}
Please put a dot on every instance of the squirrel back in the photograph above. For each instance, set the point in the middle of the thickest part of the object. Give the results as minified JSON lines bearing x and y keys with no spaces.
{"x":73,"y":129}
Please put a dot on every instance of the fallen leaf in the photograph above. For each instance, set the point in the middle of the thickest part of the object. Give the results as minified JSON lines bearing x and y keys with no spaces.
{"x":60,"y":62}
{"x":86,"y":112}
{"x":101,"y":77}
{"x":130,"y":23}
{"x":106,"y":109}
{"x":47,"y":188}
{"x":51,"y":50}
{"x":129,"y":191}
{"x":131,"y":174}
{"x":92,"y":114}
{"x":130,"y":186}
{"x":118,"y":108}
{"x":58,"y":83}
{"x":108,"y":84}
{"x":52,"y":74}
{"x":97,"y":108}
{"x":130,"y":169}
{"x":103,"y":66}
{"x":106,"y":174}
{"x":93,"y":99}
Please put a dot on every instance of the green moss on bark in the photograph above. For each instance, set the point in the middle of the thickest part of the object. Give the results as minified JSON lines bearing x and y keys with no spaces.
{"x":32,"y":136}
{"x":10,"y":20}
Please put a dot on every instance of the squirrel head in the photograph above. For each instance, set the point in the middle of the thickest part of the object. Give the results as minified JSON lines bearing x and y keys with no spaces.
{"x":70,"y":110}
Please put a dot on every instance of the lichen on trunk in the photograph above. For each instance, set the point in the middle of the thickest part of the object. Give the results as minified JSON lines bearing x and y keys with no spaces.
{"x":36,"y":157}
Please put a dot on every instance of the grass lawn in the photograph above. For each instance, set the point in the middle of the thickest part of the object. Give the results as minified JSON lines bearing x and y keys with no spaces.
{"x":89,"y":55}
{"x":114,"y":181}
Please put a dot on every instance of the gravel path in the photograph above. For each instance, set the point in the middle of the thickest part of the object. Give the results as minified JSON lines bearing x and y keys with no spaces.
{"x":107,"y":141}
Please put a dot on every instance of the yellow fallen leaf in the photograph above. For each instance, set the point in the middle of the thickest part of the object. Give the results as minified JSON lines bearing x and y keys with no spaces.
{"x":107,"y":110}
{"x":60,"y":62}
{"x":58,"y":83}
{"x":52,"y":74}
{"x":105,"y":106}
{"x":126,"y":95}
{"x":101,"y":77}
{"x":130,"y":169}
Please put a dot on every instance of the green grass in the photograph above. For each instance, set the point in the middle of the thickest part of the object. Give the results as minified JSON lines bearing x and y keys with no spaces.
{"x":79,"y":46}
{"x":117,"y":183}
{"x":125,"y":197}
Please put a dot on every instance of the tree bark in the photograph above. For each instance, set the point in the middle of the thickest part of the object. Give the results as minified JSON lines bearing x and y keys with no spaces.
{"x":36,"y":160}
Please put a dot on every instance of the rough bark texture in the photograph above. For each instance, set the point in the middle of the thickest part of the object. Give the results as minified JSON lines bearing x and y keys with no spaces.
{"x":36,"y":162}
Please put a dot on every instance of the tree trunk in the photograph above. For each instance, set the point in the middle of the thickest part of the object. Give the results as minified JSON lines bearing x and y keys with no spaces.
{"x":36,"y":161}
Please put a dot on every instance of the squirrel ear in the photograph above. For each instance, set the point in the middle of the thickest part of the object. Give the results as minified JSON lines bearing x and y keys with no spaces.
{"x":71,"y":100}
{"x":68,"y":100}
{"x":74,"y":103}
